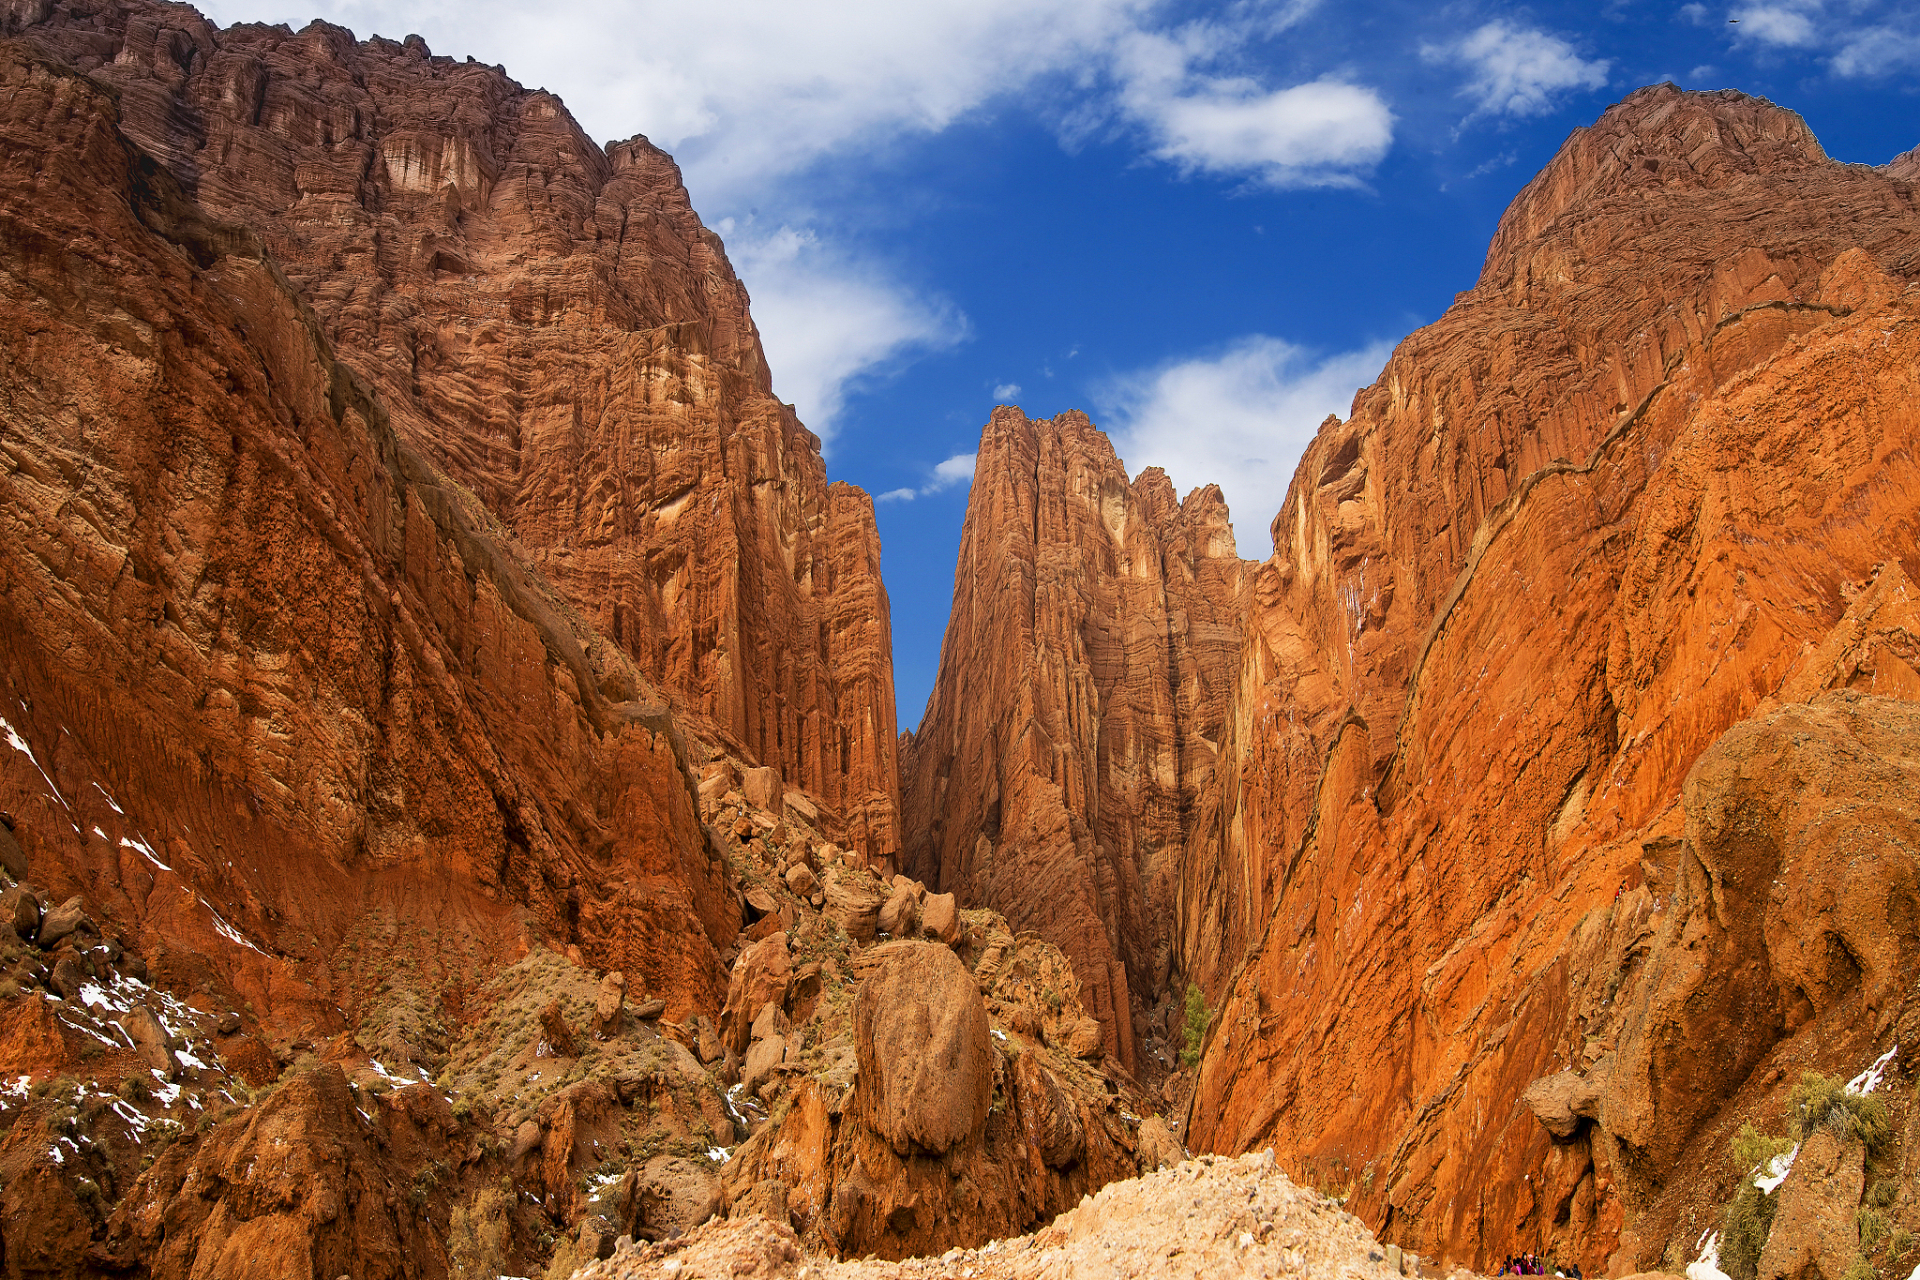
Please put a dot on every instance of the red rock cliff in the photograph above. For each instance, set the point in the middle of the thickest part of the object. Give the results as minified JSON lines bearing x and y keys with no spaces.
{"x":1653,"y":475}
{"x":550,"y":324}
{"x":1081,"y":689}
{"x":269,"y":674}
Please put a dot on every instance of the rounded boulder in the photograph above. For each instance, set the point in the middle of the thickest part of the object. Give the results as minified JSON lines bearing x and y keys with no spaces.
{"x":926,"y":1062}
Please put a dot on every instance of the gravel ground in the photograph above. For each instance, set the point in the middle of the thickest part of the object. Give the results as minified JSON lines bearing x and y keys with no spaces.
{"x":1206,"y":1217}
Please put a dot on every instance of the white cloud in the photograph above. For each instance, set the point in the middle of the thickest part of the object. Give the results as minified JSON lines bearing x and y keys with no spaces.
{"x":827,"y":320}
{"x":954,"y":471}
{"x":1516,"y":70}
{"x":1006,"y":392}
{"x":1776,"y":24}
{"x":1322,"y":133}
{"x":1877,"y":51}
{"x":1239,"y":419}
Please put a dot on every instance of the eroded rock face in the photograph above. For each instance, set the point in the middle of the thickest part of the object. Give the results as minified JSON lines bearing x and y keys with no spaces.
{"x":1652,"y":475}
{"x":1082,"y":688}
{"x":547,"y":323}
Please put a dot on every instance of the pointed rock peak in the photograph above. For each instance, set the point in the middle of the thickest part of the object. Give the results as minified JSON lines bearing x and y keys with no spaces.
{"x":1657,"y":139}
{"x":1905,"y":166}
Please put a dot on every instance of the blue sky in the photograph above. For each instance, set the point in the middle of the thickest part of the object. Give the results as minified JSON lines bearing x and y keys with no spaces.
{"x":1204,"y":224}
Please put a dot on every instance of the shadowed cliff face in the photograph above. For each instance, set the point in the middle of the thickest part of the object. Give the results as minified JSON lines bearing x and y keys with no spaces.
{"x":1081,"y":690}
{"x":1653,"y":475}
{"x":549,"y":324}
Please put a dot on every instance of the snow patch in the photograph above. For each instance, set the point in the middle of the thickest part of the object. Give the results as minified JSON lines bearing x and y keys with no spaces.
{"x":227,"y":931}
{"x":1769,"y":1177}
{"x":1707,"y":1267}
{"x":19,"y":744}
{"x":719,"y":1155}
{"x":1869,"y":1080}
{"x":139,"y":845}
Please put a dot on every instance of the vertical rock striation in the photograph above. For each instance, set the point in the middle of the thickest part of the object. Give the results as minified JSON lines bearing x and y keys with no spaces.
{"x":1082,"y":686}
{"x":549,"y":323}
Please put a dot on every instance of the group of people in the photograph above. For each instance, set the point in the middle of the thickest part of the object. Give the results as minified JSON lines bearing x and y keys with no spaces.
{"x":1529,"y":1264}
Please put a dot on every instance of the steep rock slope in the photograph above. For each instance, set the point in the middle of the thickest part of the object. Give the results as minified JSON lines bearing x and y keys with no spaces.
{"x":1082,"y":686}
{"x":1655,"y":473}
{"x":549,"y":323}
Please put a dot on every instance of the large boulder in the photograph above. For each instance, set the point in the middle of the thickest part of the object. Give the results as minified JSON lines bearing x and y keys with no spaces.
{"x":762,"y":1059}
{"x":762,"y":789}
{"x":65,"y":920}
{"x":897,"y":915}
{"x":853,"y":902}
{"x":801,"y":880}
{"x":940,"y":917}
{"x":1564,"y":1099}
{"x":926,"y":1059}
{"x":759,"y":975}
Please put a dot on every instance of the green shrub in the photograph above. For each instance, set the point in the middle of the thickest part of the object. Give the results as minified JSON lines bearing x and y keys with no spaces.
{"x":1198,"y":1019}
{"x":1899,"y":1243}
{"x":1883,"y":1192}
{"x":1824,"y":1101}
{"x":1859,"y":1269}
{"x":1753,"y":1149}
{"x":1872,"y":1225}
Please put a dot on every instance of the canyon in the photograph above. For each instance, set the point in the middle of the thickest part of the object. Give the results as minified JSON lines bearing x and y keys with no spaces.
{"x":451,"y":806}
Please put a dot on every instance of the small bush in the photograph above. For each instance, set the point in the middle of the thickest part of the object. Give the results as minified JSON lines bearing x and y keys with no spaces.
{"x":1749,"y":1219}
{"x":1753,"y":1149}
{"x":1198,"y":1019}
{"x":1899,"y":1243}
{"x":1822,"y":1100}
{"x":1872,"y":1225}
{"x":1859,"y":1269}
{"x":1883,"y":1193}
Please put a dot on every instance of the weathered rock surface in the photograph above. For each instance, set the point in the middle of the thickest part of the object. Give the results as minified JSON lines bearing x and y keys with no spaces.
{"x":1653,"y":476}
{"x":1814,"y":1231}
{"x":548,"y":324}
{"x":1082,"y":689}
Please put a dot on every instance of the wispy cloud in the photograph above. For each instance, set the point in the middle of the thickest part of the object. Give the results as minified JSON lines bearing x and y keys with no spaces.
{"x":1517,"y":71}
{"x":1776,"y":24}
{"x":1238,"y":418}
{"x":956,"y":470}
{"x":1858,"y":39}
{"x":828,"y":320}
{"x":1006,"y":392}
{"x":1324,"y":132}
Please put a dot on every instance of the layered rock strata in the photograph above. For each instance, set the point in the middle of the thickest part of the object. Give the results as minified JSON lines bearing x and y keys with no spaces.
{"x":1652,"y":476}
{"x":1081,"y":694}
{"x":548,"y":323}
